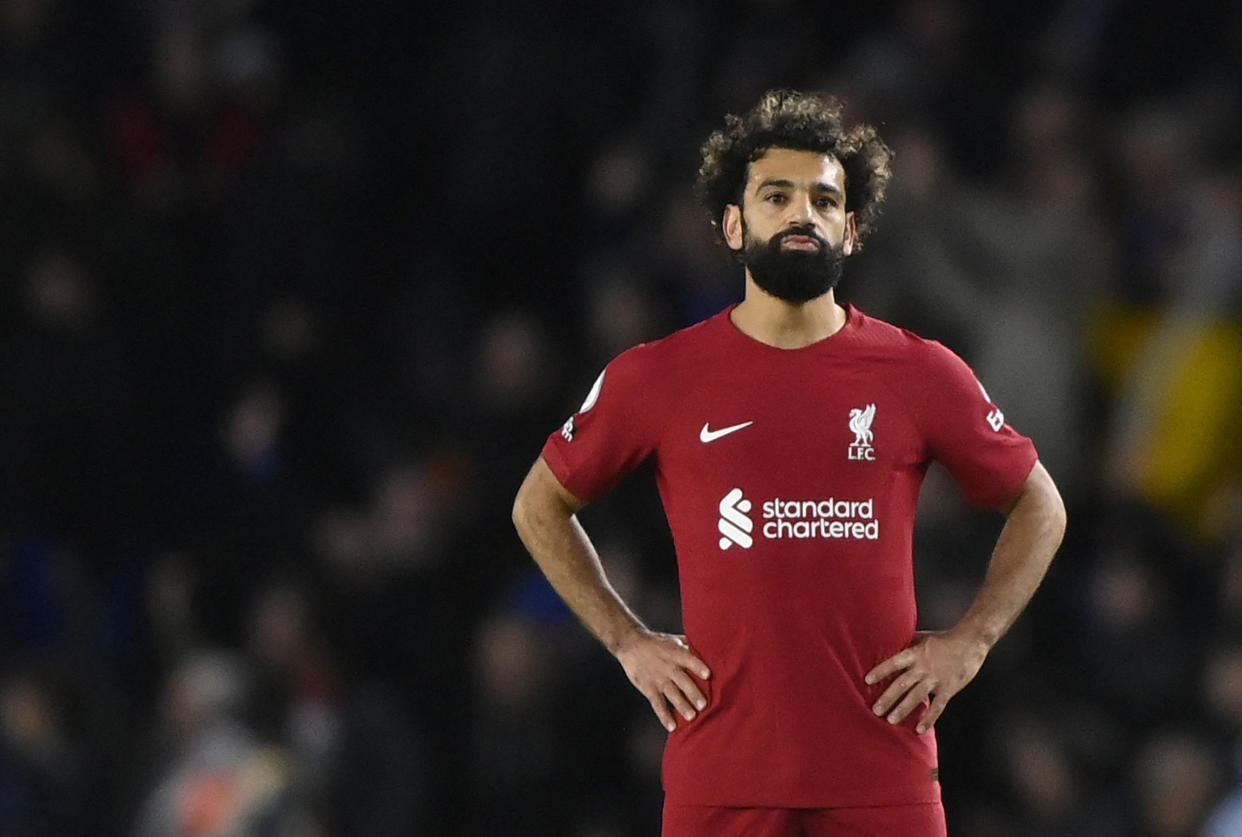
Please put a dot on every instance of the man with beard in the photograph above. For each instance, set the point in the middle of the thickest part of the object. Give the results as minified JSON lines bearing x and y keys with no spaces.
{"x":790,"y":436}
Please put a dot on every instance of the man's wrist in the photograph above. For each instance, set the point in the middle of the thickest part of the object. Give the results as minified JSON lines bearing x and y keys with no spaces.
{"x":625,"y":636}
{"x":980,"y":636}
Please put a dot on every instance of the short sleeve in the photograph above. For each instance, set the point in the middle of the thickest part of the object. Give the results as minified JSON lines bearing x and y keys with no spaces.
{"x":611,"y":434}
{"x":968,"y":434}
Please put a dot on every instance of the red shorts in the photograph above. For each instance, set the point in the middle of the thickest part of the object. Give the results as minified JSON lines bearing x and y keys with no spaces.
{"x":922,"y":820}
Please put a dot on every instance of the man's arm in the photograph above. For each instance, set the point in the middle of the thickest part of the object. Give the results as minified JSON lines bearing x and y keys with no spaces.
{"x":941,"y":664}
{"x":659,"y":665}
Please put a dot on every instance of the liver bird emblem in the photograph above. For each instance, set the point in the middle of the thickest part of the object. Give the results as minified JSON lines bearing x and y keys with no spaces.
{"x":860,"y":423}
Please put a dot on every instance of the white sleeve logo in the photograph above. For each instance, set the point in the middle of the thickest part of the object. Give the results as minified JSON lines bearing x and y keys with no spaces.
{"x":996,"y":419}
{"x":593,"y":395}
{"x":568,"y":430}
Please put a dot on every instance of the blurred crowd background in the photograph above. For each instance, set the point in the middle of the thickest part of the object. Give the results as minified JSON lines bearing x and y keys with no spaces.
{"x":292,"y":292}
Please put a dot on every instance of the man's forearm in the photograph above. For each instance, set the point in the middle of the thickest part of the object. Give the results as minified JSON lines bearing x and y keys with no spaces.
{"x":659,"y":665}
{"x":546,"y":521}
{"x":939,"y":665}
{"x":1032,"y":532}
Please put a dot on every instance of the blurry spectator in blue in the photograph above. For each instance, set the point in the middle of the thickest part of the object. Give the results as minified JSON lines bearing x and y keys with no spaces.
{"x":515,"y":746}
{"x":43,"y":783}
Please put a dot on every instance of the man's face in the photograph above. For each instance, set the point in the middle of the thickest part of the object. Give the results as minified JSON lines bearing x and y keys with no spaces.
{"x":792,"y":231}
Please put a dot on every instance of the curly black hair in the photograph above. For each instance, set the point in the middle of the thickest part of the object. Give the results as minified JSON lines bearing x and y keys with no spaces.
{"x":799,"y":122}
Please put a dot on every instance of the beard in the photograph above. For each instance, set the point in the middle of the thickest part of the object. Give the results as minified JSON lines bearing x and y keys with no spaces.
{"x":795,"y":276}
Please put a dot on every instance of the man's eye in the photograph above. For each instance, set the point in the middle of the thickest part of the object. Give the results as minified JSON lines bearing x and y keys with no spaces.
{"x":776,"y":197}
{"x":826,"y":203}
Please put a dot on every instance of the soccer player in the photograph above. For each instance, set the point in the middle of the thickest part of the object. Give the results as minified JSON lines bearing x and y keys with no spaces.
{"x":789,"y":437}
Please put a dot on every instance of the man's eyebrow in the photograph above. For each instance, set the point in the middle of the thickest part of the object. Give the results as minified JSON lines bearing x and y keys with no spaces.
{"x":782,"y":183}
{"x":772,"y":181}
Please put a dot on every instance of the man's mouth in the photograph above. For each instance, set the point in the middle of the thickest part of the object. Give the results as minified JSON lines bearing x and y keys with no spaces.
{"x":800,"y":242}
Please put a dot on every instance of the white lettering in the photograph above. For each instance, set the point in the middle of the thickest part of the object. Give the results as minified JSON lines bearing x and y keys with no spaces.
{"x":830,"y":518}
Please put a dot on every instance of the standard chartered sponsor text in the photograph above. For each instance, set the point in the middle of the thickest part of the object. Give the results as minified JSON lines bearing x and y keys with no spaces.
{"x":830,"y":518}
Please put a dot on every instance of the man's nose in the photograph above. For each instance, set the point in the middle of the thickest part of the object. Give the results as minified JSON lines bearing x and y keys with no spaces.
{"x":799,"y":212}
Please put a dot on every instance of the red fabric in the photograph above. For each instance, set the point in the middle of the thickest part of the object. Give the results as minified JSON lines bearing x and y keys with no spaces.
{"x":922,"y":820}
{"x":792,"y":614}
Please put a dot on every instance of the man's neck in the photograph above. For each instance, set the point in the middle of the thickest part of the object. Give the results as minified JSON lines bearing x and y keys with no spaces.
{"x":784,"y":325}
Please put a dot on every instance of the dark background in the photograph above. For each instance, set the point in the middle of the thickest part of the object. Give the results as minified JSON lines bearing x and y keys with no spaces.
{"x":291,"y":294}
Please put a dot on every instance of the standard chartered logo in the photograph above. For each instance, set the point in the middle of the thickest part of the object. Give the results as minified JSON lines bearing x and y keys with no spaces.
{"x":734,"y":524}
{"x":797,"y":519}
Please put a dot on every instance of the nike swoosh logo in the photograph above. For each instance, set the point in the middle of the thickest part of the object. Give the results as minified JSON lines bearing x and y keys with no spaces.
{"x":708,"y":435}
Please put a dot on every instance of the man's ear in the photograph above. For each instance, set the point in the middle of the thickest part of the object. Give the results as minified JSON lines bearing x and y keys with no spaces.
{"x":851,"y":234}
{"x":731,"y":226}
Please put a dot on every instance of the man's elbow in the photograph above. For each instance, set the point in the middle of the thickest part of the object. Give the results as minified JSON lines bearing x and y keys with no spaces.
{"x":522,"y":503}
{"x":1058,"y":518}
{"x":1060,"y":514}
{"x":1044,"y":499}
{"x":516,"y":513}
{"x":541,"y":496}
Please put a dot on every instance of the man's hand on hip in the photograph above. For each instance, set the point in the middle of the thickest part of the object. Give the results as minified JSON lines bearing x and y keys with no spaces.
{"x":659,"y":665}
{"x":936,"y":665}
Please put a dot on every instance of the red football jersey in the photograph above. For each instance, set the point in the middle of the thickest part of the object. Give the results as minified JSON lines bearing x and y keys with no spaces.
{"x":789,"y":478}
